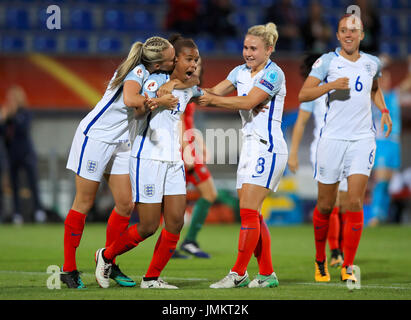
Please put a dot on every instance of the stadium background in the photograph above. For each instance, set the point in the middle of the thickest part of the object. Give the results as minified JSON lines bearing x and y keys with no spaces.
{"x":65,"y":72}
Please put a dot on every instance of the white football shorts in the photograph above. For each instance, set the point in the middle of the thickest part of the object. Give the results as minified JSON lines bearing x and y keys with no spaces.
{"x":153,"y":179}
{"x":343,"y":186}
{"x":91,"y":158}
{"x":339,"y":159}
{"x":259,"y":166}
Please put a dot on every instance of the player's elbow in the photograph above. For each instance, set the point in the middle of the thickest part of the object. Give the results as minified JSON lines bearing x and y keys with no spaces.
{"x":302,"y":97}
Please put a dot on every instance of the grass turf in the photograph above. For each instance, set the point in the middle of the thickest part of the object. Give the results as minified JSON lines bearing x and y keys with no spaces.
{"x":383,"y":257}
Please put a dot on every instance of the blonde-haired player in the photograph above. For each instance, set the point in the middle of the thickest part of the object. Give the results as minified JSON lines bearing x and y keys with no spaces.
{"x":260,"y":84}
{"x":101,"y":147}
{"x":346,"y":146}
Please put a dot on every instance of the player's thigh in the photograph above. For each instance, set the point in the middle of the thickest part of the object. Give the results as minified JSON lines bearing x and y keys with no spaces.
{"x":120,"y":187}
{"x":357,"y":186}
{"x":208,"y":190}
{"x":86,"y":191}
{"x":252,"y":196}
{"x":174,"y":209}
{"x":327,"y":197}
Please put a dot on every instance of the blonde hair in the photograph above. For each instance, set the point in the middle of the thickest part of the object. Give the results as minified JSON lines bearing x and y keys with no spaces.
{"x":145,"y":53}
{"x":268,"y":33}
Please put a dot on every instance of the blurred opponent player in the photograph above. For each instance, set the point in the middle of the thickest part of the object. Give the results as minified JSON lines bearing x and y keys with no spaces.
{"x":101,"y":147}
{"x":157,"y":174}
{"x":346,"y":147}
{"x":318,"y":109}
{"x":259,"y":83}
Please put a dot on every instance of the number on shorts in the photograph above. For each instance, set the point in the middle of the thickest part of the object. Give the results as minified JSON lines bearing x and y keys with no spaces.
{"x":259,"y":168}
{"x":371,"y":157}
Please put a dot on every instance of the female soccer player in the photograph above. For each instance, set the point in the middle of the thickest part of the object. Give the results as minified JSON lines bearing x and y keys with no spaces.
{"x":101,"y":146}
{"x":347,"y":141}
{"x":264,"y":153}
{"x":318,"y":109}
{"x":197,"y":173}
{"x":157,"y":174}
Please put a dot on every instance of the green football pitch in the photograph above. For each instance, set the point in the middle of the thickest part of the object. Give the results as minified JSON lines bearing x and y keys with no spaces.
{"x":384,"y":259}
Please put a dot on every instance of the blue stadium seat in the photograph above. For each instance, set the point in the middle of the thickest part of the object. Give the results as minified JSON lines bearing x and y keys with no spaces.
{"x":114,"y":19}
{"x":17,"y":18}
{"x":12,"y":44}
{"x":81,"y":19}
{"x":392,"y":48}
{"x":233,"y":46}
{"x":142,"y":21}
{"x":109,"y":45}
{"x":390,"y":26}
{"x":45,"y":44}
{"x":241,"y":21}
{"x":389,"y":4}
{"x":205,"y":45}
{"x":332,"y":20}
{"x":301,"y":3}
{"x":77,"y":44}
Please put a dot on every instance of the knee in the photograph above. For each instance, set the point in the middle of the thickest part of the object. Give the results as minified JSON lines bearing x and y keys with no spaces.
{"x":147,"y":230}
{"x":354,"y":204}
{"x":174,"y":225}
{"x":125,"y":208}
{"x":325,"y":208}
{"x":83,"y":202}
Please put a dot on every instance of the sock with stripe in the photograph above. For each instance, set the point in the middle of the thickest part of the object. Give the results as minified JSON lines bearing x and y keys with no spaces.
{"x":115,"y":226}
{"x":73,"y":231}
{"x":334,"y":229}
{"x":164,"y":249}
{"x":321,"y":223}
{"x":263,"y":250}
{"x":198,"y":217}
{"x":248,"y":239}
{"x":352,"y":235}
{"x":126,"y":241}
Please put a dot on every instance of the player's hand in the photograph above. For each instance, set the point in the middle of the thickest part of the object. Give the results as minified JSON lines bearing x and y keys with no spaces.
{"x":260,"y":108}
{"x":341,"y":84}
{"x":386,"y":120}
{"x":293,"y":163}
{"x":149,"y":104}
{"x":169,"y":101}
{"x":205,"y":99}
{"x":166,"y":88}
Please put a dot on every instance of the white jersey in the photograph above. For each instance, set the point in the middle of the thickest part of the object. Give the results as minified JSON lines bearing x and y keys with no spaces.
{"x":111,"y":121}
{"x":265,"y":125}
{"x":158,"y":133}
{"x":348,"y":112}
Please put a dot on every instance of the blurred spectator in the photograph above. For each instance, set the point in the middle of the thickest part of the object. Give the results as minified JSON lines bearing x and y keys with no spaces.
{"x":316,"y":31}
{"x":20,"y":151}
{"x":183,"y":16}
{"x":372,"y":26}
{"x":285,"y":15}
{"x":2,"y":118}
{"x":216,"y":19}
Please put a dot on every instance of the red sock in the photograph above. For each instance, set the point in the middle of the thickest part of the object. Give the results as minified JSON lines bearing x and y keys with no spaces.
{"x":263,"y":250}
{"x":352,"y":235}
{"x":126,"y":241}
{"x":342,"y":226}
{"x":249,"y":235}
{"x":73,"y":230}
{"x":115,"y":226}
{"x":164,"y":249}
{"x":321,"y":223}
{"x":334,"y":229}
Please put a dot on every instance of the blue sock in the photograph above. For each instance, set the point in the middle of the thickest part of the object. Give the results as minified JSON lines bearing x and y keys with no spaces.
{"x":380,"y":202}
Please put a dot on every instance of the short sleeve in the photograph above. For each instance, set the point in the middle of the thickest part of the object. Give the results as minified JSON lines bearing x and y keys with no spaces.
{"x":138,"y":74}
{"x":271,"y":81}
{"x":197,"y":91}
{"x":154,"y":82}
{"x":233,"y":75}
{"x":321,"y":66}
{"x":308,"y":106}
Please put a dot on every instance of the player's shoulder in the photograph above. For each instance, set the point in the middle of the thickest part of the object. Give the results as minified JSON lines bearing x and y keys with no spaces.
{"x":154,"y":81}
{"x":274,"y":68}
{"x":325,"y":59}
{"x":371,"y":58}
{"x":140,"y":71}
